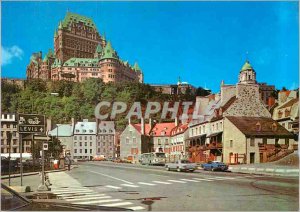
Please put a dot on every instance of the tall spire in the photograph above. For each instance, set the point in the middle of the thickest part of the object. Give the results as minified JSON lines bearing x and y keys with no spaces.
{"x":60,"y":26}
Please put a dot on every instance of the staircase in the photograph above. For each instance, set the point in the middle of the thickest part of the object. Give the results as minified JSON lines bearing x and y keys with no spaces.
{"x":278,"y":154}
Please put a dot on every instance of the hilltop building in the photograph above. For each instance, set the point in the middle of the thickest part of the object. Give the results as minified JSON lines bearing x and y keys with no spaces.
{"x":80,"y":52}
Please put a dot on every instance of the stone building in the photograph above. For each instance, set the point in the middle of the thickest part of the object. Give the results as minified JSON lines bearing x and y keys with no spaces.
{"x":266,"y":92}
{"x":242,"y":102}
{"x":9,"y":124}
{"x":80,"y":52}
{"x":106,"y":139}
{"x":84,"y":140}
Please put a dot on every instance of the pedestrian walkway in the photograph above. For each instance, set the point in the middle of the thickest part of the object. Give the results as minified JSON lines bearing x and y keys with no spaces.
{"x":72,"y":191}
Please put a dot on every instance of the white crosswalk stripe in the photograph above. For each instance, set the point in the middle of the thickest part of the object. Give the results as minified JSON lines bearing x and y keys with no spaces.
{"x":135,"y":208}
{"x":150,"y":184}
{"x":130,"y":185}
{"x":70,"y":190}
{"x":117,"y":204}
{"x":161,"y":182}
{"x":202,"y":179}
{"x":189,"y":180}
{"x":115,"y":187}
{"x":177,"y":181}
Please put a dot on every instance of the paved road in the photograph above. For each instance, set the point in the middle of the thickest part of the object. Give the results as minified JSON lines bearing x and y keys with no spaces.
{"x":153,"y":188}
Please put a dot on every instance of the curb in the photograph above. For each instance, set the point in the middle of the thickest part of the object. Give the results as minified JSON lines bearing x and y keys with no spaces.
{"x":29,"y":174}
{"x":266,"y":171}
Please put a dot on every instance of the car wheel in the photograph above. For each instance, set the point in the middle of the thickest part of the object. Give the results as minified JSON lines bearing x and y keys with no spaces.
{"x":167,"y":168}
{"x":178,"y":169}
{"x":213,"y":169}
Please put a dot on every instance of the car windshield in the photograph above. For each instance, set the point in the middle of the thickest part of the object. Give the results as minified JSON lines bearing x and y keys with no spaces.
{"x":160,"y":155}
{"x":11,"y":201}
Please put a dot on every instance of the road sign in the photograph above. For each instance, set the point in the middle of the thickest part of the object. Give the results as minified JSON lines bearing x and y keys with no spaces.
{"x":45,"y":146}
{"x":42,"y":138}
{"x":31,"y":123}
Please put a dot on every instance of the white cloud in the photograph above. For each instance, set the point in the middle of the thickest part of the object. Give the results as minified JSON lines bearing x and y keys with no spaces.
{"x":10,"y":53}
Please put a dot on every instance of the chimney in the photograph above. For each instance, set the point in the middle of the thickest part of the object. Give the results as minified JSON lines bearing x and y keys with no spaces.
{"x":142,"y":126}
{"x":176,"y":121}
{"x":271,"y":101}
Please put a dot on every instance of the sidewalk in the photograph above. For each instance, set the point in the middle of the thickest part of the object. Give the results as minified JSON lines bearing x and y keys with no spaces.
{"x":287,"y":166}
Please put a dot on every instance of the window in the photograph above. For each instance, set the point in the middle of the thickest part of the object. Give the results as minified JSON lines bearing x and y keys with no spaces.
{"x":85,"y":143}
{"x":75,"y":137}
{"x":91,"y":137}
{"x":286,"y":113}
{"x":283,"y":124}
{"x":159,"y":142}
{"x":289,"y":125}
{"x":85,"y":137}
{"x":75,"y":143}
{"x":80,"y":138}
{"x":91,"y":143}
{"x":166,"y":141}
{"x":85,"y":151}
{"x":252,"y":141}
{"x":287,"y":141}
{"x":264,"y":140}
{"x":231,"y":143}
{"x":80,"y":143}
{"x":279,"y":114}
{"x":91,"y":151}
{"x":127,"y":140}
{"x":75,"y":151}
{"x":134,"y":140}
{"x":80,"y":150}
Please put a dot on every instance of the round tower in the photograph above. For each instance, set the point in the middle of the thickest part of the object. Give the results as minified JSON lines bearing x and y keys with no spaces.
{"x":247,"y":74}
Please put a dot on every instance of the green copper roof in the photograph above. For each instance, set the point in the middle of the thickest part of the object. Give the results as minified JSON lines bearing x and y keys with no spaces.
{"x":136,"y":67}
{"x":56,"y":63}
{"x":82,"y":62}
{"x":48,"y":55}
{"x":75,"y":18}
{"x":60,"y":26}
{"x":246,"y":66}
{"x":99,"y":48}
{"x":109,"y":52}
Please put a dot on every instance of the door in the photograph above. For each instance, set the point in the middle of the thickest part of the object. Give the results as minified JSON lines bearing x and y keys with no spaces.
{"x":252,"y":157}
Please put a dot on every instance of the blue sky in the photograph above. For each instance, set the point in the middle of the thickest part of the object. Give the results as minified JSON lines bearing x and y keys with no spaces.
{"x":202,"y":42}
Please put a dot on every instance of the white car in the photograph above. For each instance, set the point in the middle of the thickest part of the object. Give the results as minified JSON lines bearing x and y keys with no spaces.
{"x":181,"y":165}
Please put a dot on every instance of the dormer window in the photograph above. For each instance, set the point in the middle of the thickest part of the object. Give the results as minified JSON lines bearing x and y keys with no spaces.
{"x":279,"y":114}
{"x":287,"y":113}
{"x":274,"y":127}
{"x":258,"y":126}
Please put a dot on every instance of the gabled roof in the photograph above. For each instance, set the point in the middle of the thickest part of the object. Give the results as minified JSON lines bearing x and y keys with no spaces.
{"x":75,"y":18}
{"x":62,"y":130}
{"x":162,"y":129}
{"x":181,"y":128}
{"x":86,"y":128}
{"x":138,"y":127}
{"x":247,"y":125}
{"x":289,"y":103}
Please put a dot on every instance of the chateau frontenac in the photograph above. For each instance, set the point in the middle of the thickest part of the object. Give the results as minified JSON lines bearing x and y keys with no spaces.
{"x":80,"y":52}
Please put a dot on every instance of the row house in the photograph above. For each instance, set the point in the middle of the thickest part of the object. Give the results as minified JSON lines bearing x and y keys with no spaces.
{"x":106,"y":139}
{"x":179,"y":142}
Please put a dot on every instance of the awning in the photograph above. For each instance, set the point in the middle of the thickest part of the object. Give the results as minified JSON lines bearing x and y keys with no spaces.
{"x":196,"y":137}
{"x":214,"y":134}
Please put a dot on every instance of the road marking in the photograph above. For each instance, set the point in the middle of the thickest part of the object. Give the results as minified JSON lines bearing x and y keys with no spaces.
{"x":279,"y":170}
{"x":115,"y":187}
{"x":125,"y":181}
{"x":88,"y":198}
{"x":176,"y":181}
{"x":160,"y":182}
{"x":83,"y":196}
{"x":76,"y":194}
{"x":271,"y":170}
{"x":98,"y":201}
{"x":203,"y":179}
{"x":190,"y":180}
{"x":69,"y":192}
{"x":136,"y":208}
{"x":129,"y":185}
{"x":150,"y":184}
{"x":117,"y":204}
{"x":260,"y":169}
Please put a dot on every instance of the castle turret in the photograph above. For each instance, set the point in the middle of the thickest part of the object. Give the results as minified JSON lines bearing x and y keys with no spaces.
{"x":247,"y":74}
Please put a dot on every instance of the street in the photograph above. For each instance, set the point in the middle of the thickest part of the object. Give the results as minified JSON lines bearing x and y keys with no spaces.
{"x":153,"y":188}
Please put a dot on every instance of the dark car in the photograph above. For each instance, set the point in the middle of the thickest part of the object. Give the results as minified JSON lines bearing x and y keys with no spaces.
{"x":214,"y":166}
{"x":12,"y":201}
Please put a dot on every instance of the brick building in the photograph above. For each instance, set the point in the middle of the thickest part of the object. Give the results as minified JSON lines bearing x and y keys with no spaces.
{"x":80,"y":52}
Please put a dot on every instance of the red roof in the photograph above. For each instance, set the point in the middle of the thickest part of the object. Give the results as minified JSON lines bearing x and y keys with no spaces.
{"x":163,"y":129}
{"x":179,"y":129}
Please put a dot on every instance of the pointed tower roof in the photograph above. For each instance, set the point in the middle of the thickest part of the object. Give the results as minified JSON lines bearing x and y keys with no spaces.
{"x":109,"y":52}
{"x":136,"y":67}
{"x":60,"y":26}
{"x":99,"y":48}
{"x":246,"y":66}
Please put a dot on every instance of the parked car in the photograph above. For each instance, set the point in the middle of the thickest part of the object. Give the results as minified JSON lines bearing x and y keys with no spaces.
{"x":181,"y":165}
{"x":214,"y":166}
{"x":12,"y":201}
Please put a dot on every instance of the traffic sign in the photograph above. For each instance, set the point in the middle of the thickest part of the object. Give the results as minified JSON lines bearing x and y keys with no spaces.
{"x":45,"y":146}
{"x":42,"y":137}
{"x":31,"y":123}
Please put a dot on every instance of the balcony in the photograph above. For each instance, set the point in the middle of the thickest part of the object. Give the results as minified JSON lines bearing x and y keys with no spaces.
{"x":215,"y":146}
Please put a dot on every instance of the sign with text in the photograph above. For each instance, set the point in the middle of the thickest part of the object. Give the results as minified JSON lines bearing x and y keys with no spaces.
{"x":31,"y":123}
